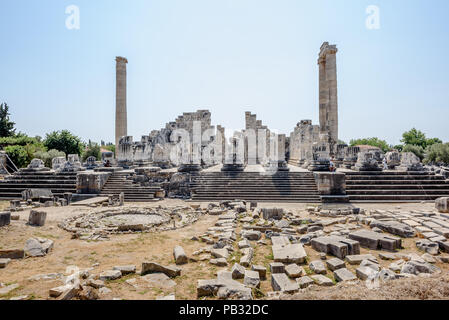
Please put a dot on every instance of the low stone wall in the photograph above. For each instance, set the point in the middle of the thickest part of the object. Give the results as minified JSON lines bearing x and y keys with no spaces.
{"x":331,"y":186}
{"x":91,"y":182}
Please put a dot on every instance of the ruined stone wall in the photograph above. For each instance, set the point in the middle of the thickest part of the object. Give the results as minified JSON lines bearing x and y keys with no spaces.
{"x":302,"y":139}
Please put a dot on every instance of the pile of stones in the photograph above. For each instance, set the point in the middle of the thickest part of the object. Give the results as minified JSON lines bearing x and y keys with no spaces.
{"x":97,"y":225}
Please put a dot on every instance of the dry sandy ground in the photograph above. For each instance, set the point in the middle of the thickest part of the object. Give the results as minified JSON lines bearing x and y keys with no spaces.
{"x":136,"y":248}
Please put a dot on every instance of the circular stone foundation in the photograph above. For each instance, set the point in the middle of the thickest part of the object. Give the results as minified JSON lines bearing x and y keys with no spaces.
{"x":98,"y":224}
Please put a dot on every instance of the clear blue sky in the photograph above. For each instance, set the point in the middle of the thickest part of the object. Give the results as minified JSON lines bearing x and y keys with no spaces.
{"x":229,"y":56}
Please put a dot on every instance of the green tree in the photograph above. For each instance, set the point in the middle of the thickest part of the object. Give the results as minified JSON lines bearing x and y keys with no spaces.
{"x":417,"y":150}
{"x":375,"y":142}
{"x":437,"y":152}
{"x":47,"y":156}
{"x":418,"y":138}
{"x":92,"y":150}
{"x":18,"y":155}
{"x":6,"y":126}
{"x":64,"y":141}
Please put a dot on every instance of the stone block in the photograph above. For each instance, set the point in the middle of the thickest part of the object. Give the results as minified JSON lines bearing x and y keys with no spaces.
{"x":344,"y":274}
{"x":322,"y":280}
{"x":220,"y":253}
{"x":376,"y":241}
{"x":442,"y":204}
{"x":277,"y":267}
{"x":261,"y":270}
{"x":251,"y":235}
{"x":394,"y":227}
{"x":280,"y":282}
{"x":251,"y":279}
{"x":37,"y":218}
{"x":428,"y":246}
{"x":337,"y":246}
{"x":4,"y":262}
{"x":304,"y":282}
{"x":12,"y":253}
{"x":335,"y":264}
{"x":237,"y":271}
{"x":318,"y":266}
{"x":129,"y":269}
{"x":364,"y":273}
{"x":358,"y":258}
{"x":5,"y":218}
{"x":153,"y":267}
{"x":110,"y":275}
{"x":247,"y":257}
{"x":294,"y":271}
{"x":291,"y":253}
{"x":180,"y":255}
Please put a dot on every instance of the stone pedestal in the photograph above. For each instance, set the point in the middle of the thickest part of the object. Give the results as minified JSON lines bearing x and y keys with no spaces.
{"x":319,"y":165}
{"x":273,"y":166}
{"x":410,"y":162}
{"x":233,"y":167}
{"x":331,"y":186}
{"x":189,"y":168}
{"x":366,"y":161}
{"x":5,"y":218}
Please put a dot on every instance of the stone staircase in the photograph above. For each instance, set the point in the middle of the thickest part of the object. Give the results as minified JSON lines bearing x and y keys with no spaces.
{"x":11,"y":188}
{"x":394,"y":186}
{"x":281,"y":187}
{"x":120,"y":182}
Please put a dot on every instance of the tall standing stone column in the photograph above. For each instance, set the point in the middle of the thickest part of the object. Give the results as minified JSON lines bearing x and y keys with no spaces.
{"x":121,"y":121}
{"x":327,"y":62}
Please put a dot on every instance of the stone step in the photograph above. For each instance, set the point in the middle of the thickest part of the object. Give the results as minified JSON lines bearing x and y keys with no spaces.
{"x":392,"y":197}
{"x":397,"y":192}
{"x":398,"y":186}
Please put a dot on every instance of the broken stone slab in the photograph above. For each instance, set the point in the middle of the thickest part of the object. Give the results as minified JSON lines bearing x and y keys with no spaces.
{"x":220,"y":253}
{"x":322,"y":280}
{"x":294,"y":271}
{"x":280,"y":282}
{"x":4,"y":262}
{"x":223,"y":289}
{"x":237,"y":271}
{"x":304,"y":282}
{"x":37,"y":247}
{"x":280,"y":240}
{"x":153,"y":267}
{"x":251,"y":279}
{"x":5,"y":218}
{"x":364,"y":273}
{"x":318,"y":266}
{"x":373,"y":264}
{"x":129,"y":269}
{"x":358,"y":258}
{"x":290,"y":253}
{"x":88,"y":293}
{"x":387,"y":256}
{"x":247,"y":257}
{"x":261,"y":270}
{"x":243,"y":244}
{"x":416,"y":267}
{"x":277,"y":267}
{"x":220,"y":262}
{"x":110,"y":275}
{"x":335,"y":264}
{"x":57,"y":291}
{"x":159,"y":280}
{"x":428,"y":246}
{"x":251,"y":235}
{"x":344,"y":274}
{"x":428,"y":258}
{"x":337,"y":246}
{"x":394,"y":227}
{"x":180,"y":255}
{"x":6,"y":290}
{"x":37,"y":218}
{"x":97,"y":284}
{"x":12,"y":253}
{"x":376,"y":241}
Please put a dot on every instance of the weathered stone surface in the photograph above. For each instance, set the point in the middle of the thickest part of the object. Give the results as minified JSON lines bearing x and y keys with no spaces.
{"x":56,"y":292}
{"x":387,"y":256}
{"x":159,"y":280}
{"x":280,"y":282}
{"x":335,"y":264}
{"x":416,"y":267}
{"x":37,"y":247}
{"x":110,"y":275}
{"x":130,"y":269}
{"x":220,"y":262}
{"x":344,"y":274}
{"x":238,"y":271}
{"x":8,"y":289}
{"x":442,"y":205}
{"x":322,"y":280}
{"x":153,"y":267}
{"x":244,"y":244}
{"x":88,"y":293}
{"x":180,"y":255}
{"x":220,"y":253}
{"x":290,"y":253}
{"x":5,"y":218}
{"x":376,"y":241}
{"x":394,"y":227}
{"x":304,"y":282}
{"x":277,"y":267}
{"x":251,"y":279}
{"x":294,"y":271}
{"x":365,"y":272}
{"x":318,"y":266}
{"x":37,"y":218}
{"x":280,"y":240}
{"x":224,"y":289}
{"x":336,"y":246}
{"x":427,"y":246}
{"x":358,"y":258}
{"x":97,"y":284}
{"x":12,"y":253}
{"x":4,"y":262}
{"x":251,"y":235}
{"x":261,"y":270}
{"x":247,"y":257}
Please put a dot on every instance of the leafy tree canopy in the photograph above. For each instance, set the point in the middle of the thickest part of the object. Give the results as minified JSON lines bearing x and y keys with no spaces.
{"x":6,"y":126}
{"x":418,"y":138}
{"x":375,"y":142}
{"x":64,"y":141}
